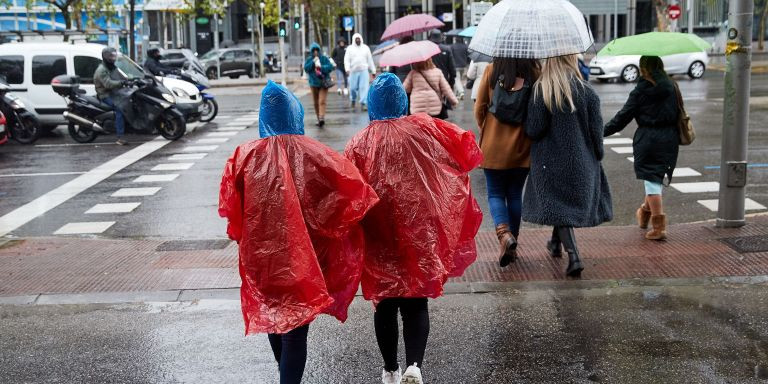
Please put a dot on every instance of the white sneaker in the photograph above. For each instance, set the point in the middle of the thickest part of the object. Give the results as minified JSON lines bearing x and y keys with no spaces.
{"x":412,"y":375}
{"x":346,"y":92}
{"x":393,"y":377}
{"x":338,"y":91}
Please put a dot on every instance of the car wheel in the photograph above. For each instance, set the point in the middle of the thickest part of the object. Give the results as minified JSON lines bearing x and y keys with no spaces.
{"x":211,"y":74}
{"x":630,"y":73}
{"x":696,"y":70}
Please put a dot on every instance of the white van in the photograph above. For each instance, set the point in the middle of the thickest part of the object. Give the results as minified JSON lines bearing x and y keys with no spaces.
{"x":29,"y":68}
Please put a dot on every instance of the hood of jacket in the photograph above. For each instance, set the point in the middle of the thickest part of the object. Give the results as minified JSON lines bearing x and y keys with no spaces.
{"x":354,"y":37}
{"x":280,"y":112}
{"x":387,"y":98}
{"x":314,"y":46}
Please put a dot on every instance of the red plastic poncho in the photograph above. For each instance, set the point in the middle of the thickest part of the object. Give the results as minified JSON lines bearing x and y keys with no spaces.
{"x":293,"y":206}
{"x":423,"y":229}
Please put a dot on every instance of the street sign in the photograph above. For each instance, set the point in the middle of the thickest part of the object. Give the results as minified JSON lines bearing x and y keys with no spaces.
{"x":202,"y":20}
{"x":674,"y":11}
{"x":349,"y":23}
{"x":478,"y":9}
{"x":447,"y":17}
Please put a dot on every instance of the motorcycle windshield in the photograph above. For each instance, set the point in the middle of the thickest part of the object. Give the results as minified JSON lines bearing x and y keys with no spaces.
{"x":129,"y":68}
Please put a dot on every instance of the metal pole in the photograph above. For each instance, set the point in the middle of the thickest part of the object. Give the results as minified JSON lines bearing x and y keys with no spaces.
{"x":253,"y":44}
{"x":615,"y":19}
{"x":733,"y":162}
{"x":261,"y":44}
{"x":303,"y":34}
{"x":281,"y":41}
{"x":689,"y":3}
{"x":216,"y":43}
{"x":453,"y":11}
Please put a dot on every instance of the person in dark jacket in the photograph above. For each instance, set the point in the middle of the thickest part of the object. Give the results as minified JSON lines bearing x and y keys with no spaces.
{"x":653,"y":104}
{"x":341,"y":73}
{"x":319,"y":68}
{"x":107,"y":79}
{"x":153,"y":64}
{"x":566,"y":185}
{"x":443,"y":60}
{"x":460,"y":52}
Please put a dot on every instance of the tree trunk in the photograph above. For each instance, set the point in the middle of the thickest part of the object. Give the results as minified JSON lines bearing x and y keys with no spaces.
{"x":132,"y":30}
{"x":67,"y":21}
{"x":661,"y":15}
{"x":761,"y":37}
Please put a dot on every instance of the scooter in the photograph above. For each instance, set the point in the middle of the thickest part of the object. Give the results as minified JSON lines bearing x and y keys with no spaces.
{"x":151,"y":107}
{"x":194,"y":76}
{"x":21,"y":124}
{"x":3,"y":130}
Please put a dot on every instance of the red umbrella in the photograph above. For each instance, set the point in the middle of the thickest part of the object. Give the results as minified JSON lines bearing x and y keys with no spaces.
{"x":411,"y":25}
{"x":409,"y":53}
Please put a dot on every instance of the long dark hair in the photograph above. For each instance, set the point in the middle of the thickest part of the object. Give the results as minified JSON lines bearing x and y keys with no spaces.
{"x":653,"y":65}
{"x":528,"y":69}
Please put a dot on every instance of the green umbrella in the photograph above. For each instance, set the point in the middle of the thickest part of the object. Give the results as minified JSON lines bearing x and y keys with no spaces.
{"x":655,"y":44}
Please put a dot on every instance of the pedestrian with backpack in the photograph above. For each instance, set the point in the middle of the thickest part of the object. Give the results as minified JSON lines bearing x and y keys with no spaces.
{"x":500,"y":109}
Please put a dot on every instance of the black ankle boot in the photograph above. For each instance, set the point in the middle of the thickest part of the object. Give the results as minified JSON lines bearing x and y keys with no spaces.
{"x":568,"y":238}
{"x":574,"y":265}
{"x":555,"y":248}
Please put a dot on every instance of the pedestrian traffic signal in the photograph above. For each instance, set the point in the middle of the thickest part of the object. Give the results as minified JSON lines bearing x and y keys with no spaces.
{"x":297,"y":23}
{"x":281,"y":29}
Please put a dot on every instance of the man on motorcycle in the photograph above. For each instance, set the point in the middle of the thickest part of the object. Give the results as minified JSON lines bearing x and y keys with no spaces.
{"x":153,"y":64}
{"x":106,"y":79}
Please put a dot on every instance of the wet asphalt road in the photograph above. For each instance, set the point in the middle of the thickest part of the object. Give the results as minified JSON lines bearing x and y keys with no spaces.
{"x":186,"y":206}
{"x":709,"y":333}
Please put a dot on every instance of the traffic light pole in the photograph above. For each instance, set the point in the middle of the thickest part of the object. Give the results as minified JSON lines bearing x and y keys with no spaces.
{"x":733,"y":162}
{"x":283,"y":62}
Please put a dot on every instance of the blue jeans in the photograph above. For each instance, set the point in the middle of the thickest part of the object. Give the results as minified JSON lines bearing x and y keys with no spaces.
{"x":341,"y":78}
{"x":290,"y":350}
{"x":119,"y":118}
{"x":358,"y":86}
{"x":505,"y":195}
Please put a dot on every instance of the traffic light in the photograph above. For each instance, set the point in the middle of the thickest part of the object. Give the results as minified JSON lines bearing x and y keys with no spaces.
{"x":282,"y":28}
{"x":297,"y":23}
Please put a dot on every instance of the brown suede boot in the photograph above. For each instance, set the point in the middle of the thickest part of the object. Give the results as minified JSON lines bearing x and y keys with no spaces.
{"x":507,"y":245}
{"x":643,"y":215}
{"x":659,"y":230}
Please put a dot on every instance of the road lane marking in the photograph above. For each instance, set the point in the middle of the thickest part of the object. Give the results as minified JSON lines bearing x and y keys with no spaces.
{"x":617,"y":141}
{"x":136,"y":192}
{"x":749,"y":205}
{"x":225,"y":129}
{"x":622,"y":149}
{"x":84,"y":228}
{"x":113,"y":208}
{"x":223,"y":117}
{"x":156,"y":178}
{"x":200,"y":148}
{"x":685,"y":172}
{"x":188,"y":156}
{"x":42,"y":174}
{"x":72,"y":188}
{"x":615,"y":135}
{"x":173,"y":167}
{"x":631,"y":158}
{"x":221,"y":134}
{"x":216,"y":140}
{"x":87,"y":144}
{"x":758,"y":165}
{"x":704,"y":186}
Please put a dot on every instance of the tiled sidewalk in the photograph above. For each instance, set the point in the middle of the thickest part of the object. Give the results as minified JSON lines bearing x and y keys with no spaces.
{"x":76,"y":265}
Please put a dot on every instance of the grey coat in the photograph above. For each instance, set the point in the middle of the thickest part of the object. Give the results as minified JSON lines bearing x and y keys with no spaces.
{"x":566,"y":185}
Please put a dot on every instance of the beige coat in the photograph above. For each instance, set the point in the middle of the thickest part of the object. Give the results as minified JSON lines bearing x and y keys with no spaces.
{"x":504,"y":146}
{"x":423,"y":96}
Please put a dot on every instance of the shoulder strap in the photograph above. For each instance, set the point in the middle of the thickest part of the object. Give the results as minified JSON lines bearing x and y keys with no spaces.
{"x":679,"y":97}
{"x":439,"y":94}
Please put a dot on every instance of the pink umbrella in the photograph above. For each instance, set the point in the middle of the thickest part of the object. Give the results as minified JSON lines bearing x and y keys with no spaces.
{"x":410,"y":25}
{"x":412,"y":52}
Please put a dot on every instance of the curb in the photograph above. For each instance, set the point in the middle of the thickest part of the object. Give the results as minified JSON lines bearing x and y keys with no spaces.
{"x":761,"y":69}
{"x":248,"y":84}
{"x":479,"y":288}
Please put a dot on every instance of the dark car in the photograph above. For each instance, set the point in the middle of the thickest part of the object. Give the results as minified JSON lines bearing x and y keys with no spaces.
{"x":177,"y":58}
{"x":233,"y":62}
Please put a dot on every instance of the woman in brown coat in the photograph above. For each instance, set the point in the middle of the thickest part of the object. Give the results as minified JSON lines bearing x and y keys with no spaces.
{"x":506,"y":150}
{"x":428,"y":87}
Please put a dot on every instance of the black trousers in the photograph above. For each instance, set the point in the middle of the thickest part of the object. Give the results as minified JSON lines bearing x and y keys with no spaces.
{"x":290,"y":351}
{"x":415,"y":314}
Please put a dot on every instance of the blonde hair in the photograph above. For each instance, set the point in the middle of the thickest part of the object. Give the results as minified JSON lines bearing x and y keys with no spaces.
{"x":423,"y":65}
{"x":554,"y":83}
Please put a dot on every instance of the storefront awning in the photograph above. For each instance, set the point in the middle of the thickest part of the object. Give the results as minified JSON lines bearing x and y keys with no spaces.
{"x":165,"y":5}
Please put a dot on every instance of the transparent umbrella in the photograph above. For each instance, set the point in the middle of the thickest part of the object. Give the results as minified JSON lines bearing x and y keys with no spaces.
{"x":532,"y":29}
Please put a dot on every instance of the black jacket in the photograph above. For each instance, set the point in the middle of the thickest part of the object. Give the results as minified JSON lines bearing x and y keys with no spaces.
{"x":657,"y":138}
{"x":444,"y":61}
{"x":338,"y":56}
{"x":460,"y":54}
{"x":154,"y":67}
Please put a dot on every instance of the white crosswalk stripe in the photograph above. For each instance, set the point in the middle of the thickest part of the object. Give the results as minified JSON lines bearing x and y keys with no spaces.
{"x":697,"y":187}
{"x":187,"y":156}
{"x":749,"y":205}
{"x":156,"y":178}
{"x":81,"y":228}
{"x":113,"y":208}
{"x":136,"y":192}
{"x":173,"y":167}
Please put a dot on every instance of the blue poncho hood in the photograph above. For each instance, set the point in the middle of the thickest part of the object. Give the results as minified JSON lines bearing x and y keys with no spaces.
{"x":280,"y":113}
{"x":387,"y":98}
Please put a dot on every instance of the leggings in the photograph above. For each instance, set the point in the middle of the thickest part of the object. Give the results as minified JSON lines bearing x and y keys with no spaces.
{"x":415,"y":314}
{"x":290,"y":351}
{"x":319,"y":96}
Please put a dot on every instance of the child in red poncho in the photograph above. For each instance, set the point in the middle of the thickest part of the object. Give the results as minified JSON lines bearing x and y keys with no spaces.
{"x":422,"y":231}
{"x":293,"y":205}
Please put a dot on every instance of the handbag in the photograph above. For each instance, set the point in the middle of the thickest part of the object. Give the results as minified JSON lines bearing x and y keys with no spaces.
{"x":444,"y":103}
{"x":684,"y":124}
{"x":328,"y":81}
{"x":470,"y":83}
{"x":510,"y":106}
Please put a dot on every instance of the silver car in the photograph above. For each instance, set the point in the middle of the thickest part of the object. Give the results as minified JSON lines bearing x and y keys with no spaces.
{"x":626,"y":67}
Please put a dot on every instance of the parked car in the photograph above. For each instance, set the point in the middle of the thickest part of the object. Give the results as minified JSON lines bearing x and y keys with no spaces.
{"x":626,"y":67}
{"x":233,"y":62}
{"x":177,"y":58}
{"x":30,"y":67}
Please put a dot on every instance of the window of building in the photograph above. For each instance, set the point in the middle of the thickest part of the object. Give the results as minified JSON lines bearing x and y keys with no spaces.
{"x":45,"y":68}
{"x":12,"y":68}
{"x":85,"y":66}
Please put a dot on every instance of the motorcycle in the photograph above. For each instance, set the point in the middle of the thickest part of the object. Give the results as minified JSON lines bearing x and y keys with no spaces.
{"x":3,"y":131}
{"x":22,"y":125}
{"x":148,"y":107}
{"x":198,"y":78}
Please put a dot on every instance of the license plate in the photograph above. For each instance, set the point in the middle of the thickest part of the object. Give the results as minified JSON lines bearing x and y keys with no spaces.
{"x":595,"y":71}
